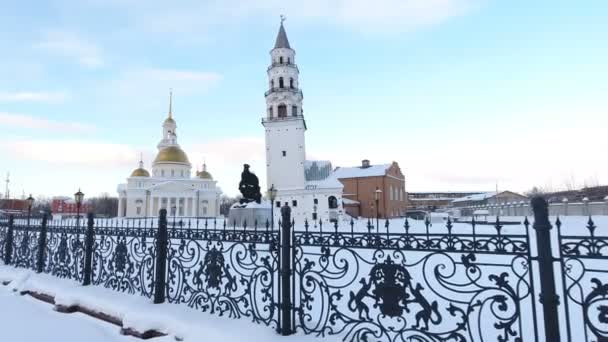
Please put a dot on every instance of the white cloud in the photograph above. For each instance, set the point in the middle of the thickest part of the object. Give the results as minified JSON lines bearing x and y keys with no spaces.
{"x":398,"y":15}
{"x":33,"y":96}
{"x":146,"y":81}
{"x":225,"y":159}
{"x":71,"y":152}
{"x":381,"y":16}
{"x":31,"y":122}
{"x":72,"y":46}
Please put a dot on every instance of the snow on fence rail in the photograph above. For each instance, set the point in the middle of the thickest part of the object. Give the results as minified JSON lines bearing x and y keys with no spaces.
{"x":413,"y":282}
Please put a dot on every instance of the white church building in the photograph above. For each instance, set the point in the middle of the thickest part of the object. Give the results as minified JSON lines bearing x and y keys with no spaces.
{"x":308,"y":187}
{"x":170,"y":186}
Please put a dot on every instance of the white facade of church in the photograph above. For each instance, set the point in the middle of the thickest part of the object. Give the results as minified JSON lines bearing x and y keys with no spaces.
{"x":308,"y":187}
{"x":170,"y":186}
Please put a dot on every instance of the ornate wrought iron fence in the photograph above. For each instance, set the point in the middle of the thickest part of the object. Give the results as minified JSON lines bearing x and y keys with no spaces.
{"x":123,"y":256}
{"x":414,"y":286}
{"x":402,"y":284}
{"x":584,"y":261}
{"x":230,"y":272}
{"x":64,"y":252}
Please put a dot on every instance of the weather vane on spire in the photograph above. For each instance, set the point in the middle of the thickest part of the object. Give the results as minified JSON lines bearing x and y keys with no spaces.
{"x":282,"y":19}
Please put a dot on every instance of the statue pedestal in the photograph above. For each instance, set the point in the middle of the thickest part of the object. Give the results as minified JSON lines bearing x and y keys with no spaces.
{"x":249,"y":213}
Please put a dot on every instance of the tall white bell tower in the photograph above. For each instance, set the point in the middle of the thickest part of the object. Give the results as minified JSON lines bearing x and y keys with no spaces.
{"x":284,"y":119}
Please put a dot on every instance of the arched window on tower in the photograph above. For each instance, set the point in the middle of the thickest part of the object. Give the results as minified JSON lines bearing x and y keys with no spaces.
{"x":294,"y":110}
{"x":281,"y":85}
{"x":271,"y":84}
{"x":270,"y":112}
{"x":281,"y":60}
{"x":291,"y":83}
{"x":282,"y":111}
{"x":288,"y":60}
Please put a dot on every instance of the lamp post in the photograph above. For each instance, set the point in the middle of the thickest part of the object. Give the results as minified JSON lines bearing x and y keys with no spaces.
{"x":78,"y":198}
{"x":272,"y":194}
{"x":377,"y":194}
{"x":30,"y":202}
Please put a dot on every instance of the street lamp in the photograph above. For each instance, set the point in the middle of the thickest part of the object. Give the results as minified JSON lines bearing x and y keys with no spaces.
{"x":272,"y":194}
{"x":30,"y":203}
{"x":78,"y":197}
{"x":377,"y":194}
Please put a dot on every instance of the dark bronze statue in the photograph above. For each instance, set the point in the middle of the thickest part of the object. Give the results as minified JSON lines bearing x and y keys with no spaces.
{"x":249,"y":186}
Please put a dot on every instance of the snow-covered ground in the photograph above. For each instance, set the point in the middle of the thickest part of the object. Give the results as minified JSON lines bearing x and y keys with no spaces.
{"x":25,"y":319}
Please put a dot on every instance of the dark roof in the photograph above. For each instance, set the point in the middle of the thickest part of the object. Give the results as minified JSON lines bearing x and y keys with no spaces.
{"x":282,"y":41}
{"x":596,"y":193}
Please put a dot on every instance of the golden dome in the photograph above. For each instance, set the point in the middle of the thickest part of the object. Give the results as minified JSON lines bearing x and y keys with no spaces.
{"x":140,"y":172}
{"x":169,"y":120}
{"x":204,"y":175}
{"x":171,"y":154}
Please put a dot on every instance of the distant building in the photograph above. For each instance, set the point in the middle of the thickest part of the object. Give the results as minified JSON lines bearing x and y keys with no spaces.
{"x":66,"y":206}
{"x":360,"y":184}
{"x":468,"y":204}
{"x":592,"y":194}
{"x":170,"y":184}
{"x":435,"y":201}
{"x":13,"y":206}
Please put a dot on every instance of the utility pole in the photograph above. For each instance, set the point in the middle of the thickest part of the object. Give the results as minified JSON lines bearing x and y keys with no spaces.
{"x":7,"y":193}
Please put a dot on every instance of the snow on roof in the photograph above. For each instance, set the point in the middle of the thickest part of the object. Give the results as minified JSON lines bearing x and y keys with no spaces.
{"x":476,"y":197}
{"x":315,"y":170}
{"x":358,"y":171}
{"x":349,"y":201}
{"x":330,"y":182}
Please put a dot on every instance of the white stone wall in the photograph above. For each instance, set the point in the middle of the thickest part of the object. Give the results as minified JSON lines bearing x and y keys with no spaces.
{"x":285,"y":154}
{"x":555,"y":209}
{"x":171,"y":170}
{"x":305,"y":206}
{"x":191,"y":197}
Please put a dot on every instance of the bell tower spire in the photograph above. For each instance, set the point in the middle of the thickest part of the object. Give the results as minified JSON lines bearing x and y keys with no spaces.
{"x":169,"y":126}
{"x":284,"y":119}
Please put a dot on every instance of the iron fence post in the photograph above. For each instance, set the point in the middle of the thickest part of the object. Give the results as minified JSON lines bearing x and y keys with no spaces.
{"x":548,"y":295}
{"x":161,"y":258}
{"x":286,"y":307}
{"x":8,"y":247}
{"x":88,"y":249}
{"x":41,"y":245}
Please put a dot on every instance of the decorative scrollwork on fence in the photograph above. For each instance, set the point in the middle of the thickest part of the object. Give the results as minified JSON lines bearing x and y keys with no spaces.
{"x":123,"y":260}
{"x":25,"y":245}
{"x":449,"y":241}
{"x":394,"y":295}
{"x":3,"y":233}
{"x":590,"y":246}
{"x":584,"y":260}
{"x":65,"y":251}
{"x":224,"y":277}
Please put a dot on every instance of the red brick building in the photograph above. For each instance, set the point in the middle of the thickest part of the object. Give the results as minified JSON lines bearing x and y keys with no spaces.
{"x":13,"y":206}
{"x":360,"y":184}
{"x":67,"y":206}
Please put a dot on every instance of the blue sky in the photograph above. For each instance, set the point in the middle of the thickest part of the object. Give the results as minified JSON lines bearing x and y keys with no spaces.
{"x":462,"y":93}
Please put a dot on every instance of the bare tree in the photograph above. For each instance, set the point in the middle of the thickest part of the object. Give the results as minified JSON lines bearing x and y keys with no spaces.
{"x":226,"y":202}
{"x":104,"y":205}
{"x":570,"y":183}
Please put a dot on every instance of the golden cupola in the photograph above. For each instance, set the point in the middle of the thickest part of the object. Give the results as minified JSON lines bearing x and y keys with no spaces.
{"x":204,"y":174}
{"x":171,"y":154}
{"x":140,"y":171}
